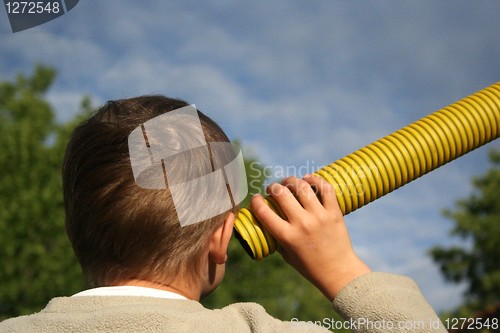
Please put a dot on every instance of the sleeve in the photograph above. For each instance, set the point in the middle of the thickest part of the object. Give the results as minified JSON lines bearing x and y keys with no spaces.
{"x":383,"y":302}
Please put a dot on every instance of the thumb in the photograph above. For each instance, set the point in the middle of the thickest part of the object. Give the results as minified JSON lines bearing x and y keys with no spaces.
{"x":271,"y":221}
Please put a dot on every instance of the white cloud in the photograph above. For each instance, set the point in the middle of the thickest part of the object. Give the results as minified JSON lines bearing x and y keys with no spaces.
{"x":67,"y":102}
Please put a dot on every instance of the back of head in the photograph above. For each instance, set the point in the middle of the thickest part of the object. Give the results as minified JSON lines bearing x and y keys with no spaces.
{"x":121,"y":231}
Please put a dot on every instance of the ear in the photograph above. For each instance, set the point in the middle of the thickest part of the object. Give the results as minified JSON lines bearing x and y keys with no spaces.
{"x":220,"y":240}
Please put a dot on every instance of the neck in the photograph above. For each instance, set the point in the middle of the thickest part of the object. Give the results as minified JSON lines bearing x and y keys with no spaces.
{"x":178,"y":288}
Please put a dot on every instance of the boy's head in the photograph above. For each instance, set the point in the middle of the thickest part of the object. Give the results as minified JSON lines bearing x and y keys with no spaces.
{"x":121,"y":231}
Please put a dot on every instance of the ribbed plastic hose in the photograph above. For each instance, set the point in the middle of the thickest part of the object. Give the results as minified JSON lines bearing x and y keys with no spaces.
{"x":395,"y":160}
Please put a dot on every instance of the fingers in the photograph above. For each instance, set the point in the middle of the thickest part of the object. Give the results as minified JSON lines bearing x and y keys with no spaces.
{"x":285,"y":198}
{"x":307,"y":192}
{"x":303,"y":192}
{"x":297,"y":199}
{"x":328,"y":196}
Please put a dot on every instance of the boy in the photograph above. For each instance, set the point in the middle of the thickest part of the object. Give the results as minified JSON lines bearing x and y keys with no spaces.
{"x":149,"y":256}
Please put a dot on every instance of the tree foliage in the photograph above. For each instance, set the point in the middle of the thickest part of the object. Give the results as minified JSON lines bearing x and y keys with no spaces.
{"x":37,"y":260}
{"x":477,"y":221}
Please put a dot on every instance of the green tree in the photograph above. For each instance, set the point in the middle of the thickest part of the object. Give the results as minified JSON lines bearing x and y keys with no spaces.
{"x":477,"y":262}
{"x":37,"y":260}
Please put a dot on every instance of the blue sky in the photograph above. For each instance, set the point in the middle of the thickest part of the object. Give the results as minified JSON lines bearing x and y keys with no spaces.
{"x":301,"y":84}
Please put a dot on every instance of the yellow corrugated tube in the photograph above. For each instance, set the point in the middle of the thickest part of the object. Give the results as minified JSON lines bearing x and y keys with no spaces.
{"x":395,"y":160}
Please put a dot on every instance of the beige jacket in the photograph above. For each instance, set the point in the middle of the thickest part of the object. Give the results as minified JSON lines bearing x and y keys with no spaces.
{"x":375,"y":302}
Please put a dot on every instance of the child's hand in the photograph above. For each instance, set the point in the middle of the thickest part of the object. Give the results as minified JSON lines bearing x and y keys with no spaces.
{"x":314,"y":238}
